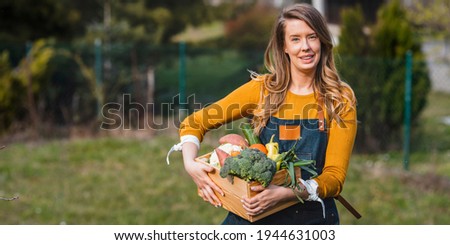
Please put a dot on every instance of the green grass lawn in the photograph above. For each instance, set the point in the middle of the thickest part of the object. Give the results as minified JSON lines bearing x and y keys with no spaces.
{"x":99,"y":181}
{"x":112,"y":180}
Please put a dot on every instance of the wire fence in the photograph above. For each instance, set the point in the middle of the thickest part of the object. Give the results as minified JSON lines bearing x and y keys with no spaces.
{"x":127,"y":81}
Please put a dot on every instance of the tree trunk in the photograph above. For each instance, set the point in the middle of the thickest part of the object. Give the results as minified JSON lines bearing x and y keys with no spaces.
{"x":31,"y":103}
{"x":150,"y":97}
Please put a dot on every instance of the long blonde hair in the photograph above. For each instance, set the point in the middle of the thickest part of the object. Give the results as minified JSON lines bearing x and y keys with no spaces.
{"x":327,"y":85}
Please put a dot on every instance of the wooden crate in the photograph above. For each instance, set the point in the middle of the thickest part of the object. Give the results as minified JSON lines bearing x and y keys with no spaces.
{"x":234,"y":191}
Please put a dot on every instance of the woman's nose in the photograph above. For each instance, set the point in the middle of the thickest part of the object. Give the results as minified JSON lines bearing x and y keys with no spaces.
{"x":305,"y":45}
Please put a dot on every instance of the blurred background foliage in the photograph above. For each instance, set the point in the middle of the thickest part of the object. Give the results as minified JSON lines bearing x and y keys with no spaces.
{"x":377,"y":61}
{"x":62,"y":61}
{"x":63,"y":64}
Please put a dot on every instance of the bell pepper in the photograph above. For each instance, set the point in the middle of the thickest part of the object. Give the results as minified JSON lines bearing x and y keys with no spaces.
{"x":272,"y":152}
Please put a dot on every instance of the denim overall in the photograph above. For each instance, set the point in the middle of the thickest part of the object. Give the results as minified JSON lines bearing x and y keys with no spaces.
{"x":311,"y":146}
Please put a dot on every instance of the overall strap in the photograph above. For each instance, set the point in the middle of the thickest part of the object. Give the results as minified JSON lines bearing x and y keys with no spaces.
{"x":320,"y":114}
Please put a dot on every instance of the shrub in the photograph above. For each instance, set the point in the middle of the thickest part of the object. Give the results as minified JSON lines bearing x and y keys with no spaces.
{"x":376,"y":71}
{"x":251,"y":29}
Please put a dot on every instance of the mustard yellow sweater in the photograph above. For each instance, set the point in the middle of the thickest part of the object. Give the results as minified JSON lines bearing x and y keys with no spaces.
{"x":242,"y":101}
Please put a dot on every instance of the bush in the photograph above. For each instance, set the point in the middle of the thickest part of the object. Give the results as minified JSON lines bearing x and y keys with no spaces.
{"x":46,"y":86}
{"x":251,"y":29}
{"x":11,"y":93}
{"x":377,"y":74}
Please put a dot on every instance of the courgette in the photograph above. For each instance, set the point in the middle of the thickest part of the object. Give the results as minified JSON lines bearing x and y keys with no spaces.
{"x":249,"y":134}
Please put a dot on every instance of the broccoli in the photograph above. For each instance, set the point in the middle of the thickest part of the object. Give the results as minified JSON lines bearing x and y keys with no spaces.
{"x":250,"y":164}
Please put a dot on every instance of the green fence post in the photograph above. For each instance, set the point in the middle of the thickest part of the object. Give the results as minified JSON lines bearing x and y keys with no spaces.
{"x":98,"y":71}
{"x":407,"y":115}
{"x":182,"y":80}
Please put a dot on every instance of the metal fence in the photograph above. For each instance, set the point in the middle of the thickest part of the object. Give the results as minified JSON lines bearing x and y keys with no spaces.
{"x":140,"y":79}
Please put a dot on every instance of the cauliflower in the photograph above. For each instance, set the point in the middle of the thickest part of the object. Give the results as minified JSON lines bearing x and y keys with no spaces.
{"x":228,"y":148}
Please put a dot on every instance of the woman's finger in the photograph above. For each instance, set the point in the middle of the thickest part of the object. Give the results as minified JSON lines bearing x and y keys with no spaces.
{"x":208,"y":196}
{"x":212,"y":198}
{"x":254,"y":211}
{"x":257,"y":188}
{"x":211,"y":183}
{"x":250,"y":203}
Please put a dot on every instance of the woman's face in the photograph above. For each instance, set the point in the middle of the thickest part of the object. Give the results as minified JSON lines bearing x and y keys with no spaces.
{"x":302,"y":45}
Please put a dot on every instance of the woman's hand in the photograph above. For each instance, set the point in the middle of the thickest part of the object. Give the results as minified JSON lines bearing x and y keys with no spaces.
{"x":199,"y":173}
{"x":206,"y":187}
{"x":266,"y":198}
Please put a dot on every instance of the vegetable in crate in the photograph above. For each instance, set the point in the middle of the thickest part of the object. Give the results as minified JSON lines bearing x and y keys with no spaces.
{"x":234,"y":139}
{"x":272,"y":152}
{"x":259,"y":147}
{"x":249,"y":135}
{"x":250,"y":165}
{"x":222,"y":152}
{"x":252,"y":139}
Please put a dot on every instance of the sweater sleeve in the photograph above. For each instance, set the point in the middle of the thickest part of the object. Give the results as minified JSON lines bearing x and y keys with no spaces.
{"x":339,"y":149}
{"x":239,"y":103}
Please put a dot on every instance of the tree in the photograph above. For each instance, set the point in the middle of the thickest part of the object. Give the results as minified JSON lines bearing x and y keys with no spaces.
{"x":353,"y":40}
{"x":361,"y":71}
{"x":11,"y":93}
{"x":130,"y":32}
{"x":251,"y":29}
{"x":21,"y":20}
{"x":49,"y":86}
{"x":378,"y":74}
{"x":128,"y":29}
{"x":146,"y":21}
{"x":432,"y":18}
{"x":393,"y":38}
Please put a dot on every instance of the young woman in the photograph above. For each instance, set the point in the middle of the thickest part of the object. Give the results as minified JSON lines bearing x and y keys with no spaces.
{"x":301,"y":97}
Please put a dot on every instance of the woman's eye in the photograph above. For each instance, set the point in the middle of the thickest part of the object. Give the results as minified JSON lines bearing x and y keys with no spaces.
{"x":312,"y":37}
{"x":295,"y":39}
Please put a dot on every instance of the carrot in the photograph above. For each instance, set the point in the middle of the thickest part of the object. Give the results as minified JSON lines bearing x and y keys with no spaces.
{"x":235,"y":153}
{"x":234,"y":139}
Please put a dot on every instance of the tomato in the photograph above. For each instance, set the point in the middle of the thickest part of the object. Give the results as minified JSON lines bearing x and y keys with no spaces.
{"x":260,"y":147}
